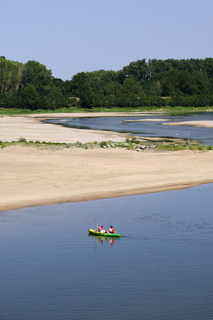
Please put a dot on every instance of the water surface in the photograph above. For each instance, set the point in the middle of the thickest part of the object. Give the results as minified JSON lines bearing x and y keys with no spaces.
{"x":161,"y":267}
{"x":147,"y":128}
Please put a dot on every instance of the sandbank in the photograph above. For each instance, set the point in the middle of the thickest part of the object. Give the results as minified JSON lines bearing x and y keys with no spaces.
{"x":31,"y":177}
{"x":152,"y":120}
{"x":33,"y":129}
{"x":203,"y":123}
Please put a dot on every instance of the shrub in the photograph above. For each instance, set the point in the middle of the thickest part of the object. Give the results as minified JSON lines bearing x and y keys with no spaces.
{"x":21,"y":139}
{"x":103,"y":144}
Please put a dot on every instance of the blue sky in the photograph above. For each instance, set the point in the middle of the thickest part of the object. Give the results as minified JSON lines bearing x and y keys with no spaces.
{"x":71,"y":36}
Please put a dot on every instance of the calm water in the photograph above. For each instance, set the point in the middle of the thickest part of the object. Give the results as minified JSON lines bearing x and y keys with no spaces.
{"x":147,"y":128}
{"x":161,"y":268}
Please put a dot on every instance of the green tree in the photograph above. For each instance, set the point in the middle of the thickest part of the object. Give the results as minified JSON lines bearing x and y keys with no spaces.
{"x":138,"y":70}
{"x":30,"y":97}
{"x":36,"y":74}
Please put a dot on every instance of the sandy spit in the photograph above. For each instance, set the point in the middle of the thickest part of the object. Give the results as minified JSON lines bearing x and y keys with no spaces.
{"x":204,"y":123}
{"x":33,"y":129}
{"x":31,"y":177}
{"x":151,"y":120}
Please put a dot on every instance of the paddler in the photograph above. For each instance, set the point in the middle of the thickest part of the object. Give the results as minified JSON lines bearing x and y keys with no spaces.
{"x":100,"y":229}
{"x":111,"y":230}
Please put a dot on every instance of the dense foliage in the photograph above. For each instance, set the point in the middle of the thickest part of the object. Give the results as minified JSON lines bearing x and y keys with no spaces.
{"x":28,"y":86}
{"x":141,"y":83}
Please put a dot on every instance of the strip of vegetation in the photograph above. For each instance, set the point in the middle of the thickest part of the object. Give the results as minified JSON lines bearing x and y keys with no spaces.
{"x":167,"y":109}
{"x":130,"y":144}
{"x":17,"y":111}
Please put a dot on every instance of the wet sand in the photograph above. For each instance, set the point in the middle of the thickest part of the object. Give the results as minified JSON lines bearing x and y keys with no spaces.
{"x":203,"y":124}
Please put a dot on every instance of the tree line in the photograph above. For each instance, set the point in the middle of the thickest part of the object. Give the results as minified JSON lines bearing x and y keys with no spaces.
{"x":185,"y":82}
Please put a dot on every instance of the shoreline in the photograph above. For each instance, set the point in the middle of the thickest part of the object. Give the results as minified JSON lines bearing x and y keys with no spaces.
{"x":197,"y":123}
{"x":32,"y":128}
{"x":34,"y":177}
{"x":99,"y":196}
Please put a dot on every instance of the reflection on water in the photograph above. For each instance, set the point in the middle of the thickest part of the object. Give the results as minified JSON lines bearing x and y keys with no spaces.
{"x":160,"y":268}
{"x":104,"y":240}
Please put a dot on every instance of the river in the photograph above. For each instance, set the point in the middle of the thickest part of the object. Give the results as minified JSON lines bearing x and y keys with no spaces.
{"x":160,"y":268}
{"x":147,"y":128}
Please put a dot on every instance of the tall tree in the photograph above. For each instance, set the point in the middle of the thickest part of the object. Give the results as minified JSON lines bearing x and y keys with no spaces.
{"x":36,"y":74}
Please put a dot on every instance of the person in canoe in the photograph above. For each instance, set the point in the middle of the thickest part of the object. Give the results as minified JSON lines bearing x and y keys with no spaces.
{"x":101,"y":229}
{"x":111,"y":230}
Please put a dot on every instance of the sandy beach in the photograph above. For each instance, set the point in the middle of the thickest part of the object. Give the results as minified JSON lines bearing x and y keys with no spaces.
{"x":32,"y":128}
{"x":31,"y":177}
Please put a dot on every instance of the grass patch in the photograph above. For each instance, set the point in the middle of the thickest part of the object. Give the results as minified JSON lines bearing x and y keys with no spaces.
{"x":167,"y":109}
{"x":183,"y":146}
{"x":16,"y":111}
{"x":129,"y":144}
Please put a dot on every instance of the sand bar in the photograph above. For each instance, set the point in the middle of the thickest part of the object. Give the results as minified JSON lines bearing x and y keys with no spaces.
{"x":31,"y":176}
{"x":203,"y":123}
{"x":33,"y":129}
{"x":151,"y":120}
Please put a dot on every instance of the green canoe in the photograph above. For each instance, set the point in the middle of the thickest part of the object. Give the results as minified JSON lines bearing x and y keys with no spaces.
{"x":105,"y":234}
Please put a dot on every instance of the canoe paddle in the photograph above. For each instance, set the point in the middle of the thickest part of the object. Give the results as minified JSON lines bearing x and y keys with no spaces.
{"x":96,"y":223}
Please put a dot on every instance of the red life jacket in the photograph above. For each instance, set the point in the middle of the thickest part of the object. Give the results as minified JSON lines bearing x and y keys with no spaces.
{"x":111,"y":230}
{"x":99,"y":228}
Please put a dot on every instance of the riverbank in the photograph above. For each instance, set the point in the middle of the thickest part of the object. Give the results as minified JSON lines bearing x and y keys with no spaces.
{"x":31,"y":128}
{"x":31,"y":177}
{"x":36,"y":176}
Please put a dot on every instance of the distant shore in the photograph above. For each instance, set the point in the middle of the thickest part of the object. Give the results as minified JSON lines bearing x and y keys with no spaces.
{"x":31,"y":177}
